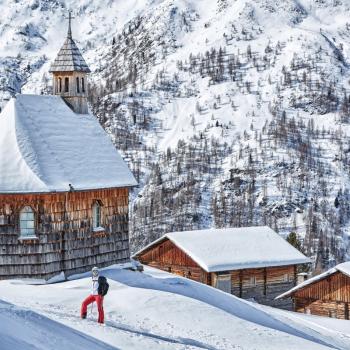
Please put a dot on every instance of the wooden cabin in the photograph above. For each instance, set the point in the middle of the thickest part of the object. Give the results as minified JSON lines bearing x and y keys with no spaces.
{"x":64,"y":188}
{"x":327,"y":294}
{"x":251,"y":263}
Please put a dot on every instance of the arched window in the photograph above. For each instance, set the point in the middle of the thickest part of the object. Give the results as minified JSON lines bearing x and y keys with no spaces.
{"x":82,"y":84}
{"x":78,"y":85}
{"x":96,"y":215}
{"x":59,"y":84}
{"x":66,"y":84}
{"x":27,"y":222}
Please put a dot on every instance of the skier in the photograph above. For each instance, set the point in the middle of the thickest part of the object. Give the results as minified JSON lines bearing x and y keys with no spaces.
{"x":98,"y":291}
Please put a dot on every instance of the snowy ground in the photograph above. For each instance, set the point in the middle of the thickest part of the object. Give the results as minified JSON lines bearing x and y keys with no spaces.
{"x":154,"y":310}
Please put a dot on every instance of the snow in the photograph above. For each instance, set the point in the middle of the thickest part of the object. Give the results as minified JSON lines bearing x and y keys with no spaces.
{"x":45,"y":146}
{"x":154,"y":310}
{"x":234,"y":248}
{"x":343,"y":267}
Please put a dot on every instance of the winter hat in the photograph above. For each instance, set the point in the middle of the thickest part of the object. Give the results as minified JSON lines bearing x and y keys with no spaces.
{"x":95,"y":271}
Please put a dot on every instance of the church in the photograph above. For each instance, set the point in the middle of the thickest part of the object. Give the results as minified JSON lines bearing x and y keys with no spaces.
{"x":64,"y":188}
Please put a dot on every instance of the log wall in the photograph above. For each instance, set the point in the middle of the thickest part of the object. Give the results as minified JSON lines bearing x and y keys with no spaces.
{"x":65,"y":240}
{"x":166,"y":256}
{"x":270,"y":281}
{"x":327,"y":297}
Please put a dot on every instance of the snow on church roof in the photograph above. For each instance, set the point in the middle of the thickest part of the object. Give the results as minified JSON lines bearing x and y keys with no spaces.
{"x":343,"y":268}
{"x":45,"y":146}
{"x":234,"y":248}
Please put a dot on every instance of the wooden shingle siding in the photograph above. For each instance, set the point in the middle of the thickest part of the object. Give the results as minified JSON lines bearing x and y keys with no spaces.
{"x":65,"y":237}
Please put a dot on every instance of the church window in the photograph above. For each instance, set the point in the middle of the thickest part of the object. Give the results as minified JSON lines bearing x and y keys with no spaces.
{"x":82,"y":84}
{"x":66,"y":84}
{"x":96,"y":215}
{"x":27,"y":222}
{"x":78,"y":86}
{"x":59,"y":84}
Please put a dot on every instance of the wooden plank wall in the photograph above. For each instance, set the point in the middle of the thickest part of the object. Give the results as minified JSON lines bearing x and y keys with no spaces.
{"x":66,"y":240}
{"x":333,"y":288}
{"x":270,"y":281}
{"x":168,"y":257}
{"x":328,"y":297}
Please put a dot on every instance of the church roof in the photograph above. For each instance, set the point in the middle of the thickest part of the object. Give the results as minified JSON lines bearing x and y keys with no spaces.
{"x":45,"y":146}
{"x":69,"y":59}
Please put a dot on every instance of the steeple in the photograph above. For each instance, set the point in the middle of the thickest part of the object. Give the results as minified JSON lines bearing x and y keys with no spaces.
{"x":69,"y":71}
{"x":69,"y":34}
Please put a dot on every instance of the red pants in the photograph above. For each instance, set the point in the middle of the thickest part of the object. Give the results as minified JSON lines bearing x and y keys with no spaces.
{"x":99,"y":301}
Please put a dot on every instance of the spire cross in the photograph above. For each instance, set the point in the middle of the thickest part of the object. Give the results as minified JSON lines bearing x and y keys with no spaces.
{"x":69,"y":35}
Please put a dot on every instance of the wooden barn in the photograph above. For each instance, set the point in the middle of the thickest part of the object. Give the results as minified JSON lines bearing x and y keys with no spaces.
{"x":251,"y":263}
{"x":327,"y":294}
{"x":64,"y":188}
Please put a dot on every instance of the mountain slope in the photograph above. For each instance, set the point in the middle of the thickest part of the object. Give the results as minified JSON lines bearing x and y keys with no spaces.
{"x":229,"y":113}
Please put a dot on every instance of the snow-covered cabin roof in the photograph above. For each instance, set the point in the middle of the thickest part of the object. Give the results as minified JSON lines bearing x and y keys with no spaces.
{"x":343,"y":268}
{"x":69,"y":59}
{"x":45,"y":146}
{"x":234,"y":248}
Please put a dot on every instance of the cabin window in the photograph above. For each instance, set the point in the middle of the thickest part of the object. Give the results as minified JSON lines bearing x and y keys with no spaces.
{"x":59,"y":84}
{"x":307,"y":311}
{"x":223,"y":282}
{"x":252,"y":281}
{"x":286,"y":277}
{"x":66,"y":84}
{"x":27,"y":222}
{"x":96,"y":215}
{"x":78,"y":86}
{"x":82,"y":84}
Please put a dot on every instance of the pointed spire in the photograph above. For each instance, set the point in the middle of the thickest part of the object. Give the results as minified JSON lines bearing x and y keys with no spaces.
{"x":69,"y":34}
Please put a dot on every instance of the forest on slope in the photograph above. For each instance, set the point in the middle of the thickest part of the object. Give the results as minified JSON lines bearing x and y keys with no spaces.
{"x":229,"y":112}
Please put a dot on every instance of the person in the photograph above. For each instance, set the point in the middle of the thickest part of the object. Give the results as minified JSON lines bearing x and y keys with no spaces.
{"x":95,"y":296}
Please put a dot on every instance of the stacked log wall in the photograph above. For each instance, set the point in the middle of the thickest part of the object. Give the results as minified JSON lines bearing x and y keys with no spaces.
{"x":65,"y":239}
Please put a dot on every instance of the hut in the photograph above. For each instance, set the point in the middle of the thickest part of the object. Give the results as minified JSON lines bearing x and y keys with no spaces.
{"x":327,"y":294}
{"x":251,"y":262}
{"x":64,"y":188}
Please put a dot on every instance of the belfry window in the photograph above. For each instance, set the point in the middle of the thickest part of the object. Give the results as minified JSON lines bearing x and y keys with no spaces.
{"x":66,"y":84}
{"x":82,"y":85}
{"x":59,"y":84}
{"x":78,"y":85}
{"x":27,"y":222}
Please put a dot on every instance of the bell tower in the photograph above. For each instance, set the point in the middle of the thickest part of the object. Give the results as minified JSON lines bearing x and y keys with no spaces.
{"x":70,"y":71}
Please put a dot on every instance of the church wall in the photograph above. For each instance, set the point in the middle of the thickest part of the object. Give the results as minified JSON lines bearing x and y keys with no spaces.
{"x":65,"y":238}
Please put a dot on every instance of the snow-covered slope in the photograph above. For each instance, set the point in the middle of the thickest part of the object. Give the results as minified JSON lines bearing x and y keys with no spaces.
{"x":156,"y":310}
{"x":229,"y":112}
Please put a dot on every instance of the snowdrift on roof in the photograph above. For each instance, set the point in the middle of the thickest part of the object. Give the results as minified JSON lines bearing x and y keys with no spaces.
{"x":235,"y":248}
{"x":45,"y":146}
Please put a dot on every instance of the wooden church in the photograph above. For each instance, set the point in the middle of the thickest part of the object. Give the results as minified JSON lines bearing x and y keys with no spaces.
{"x":64,"y":188}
